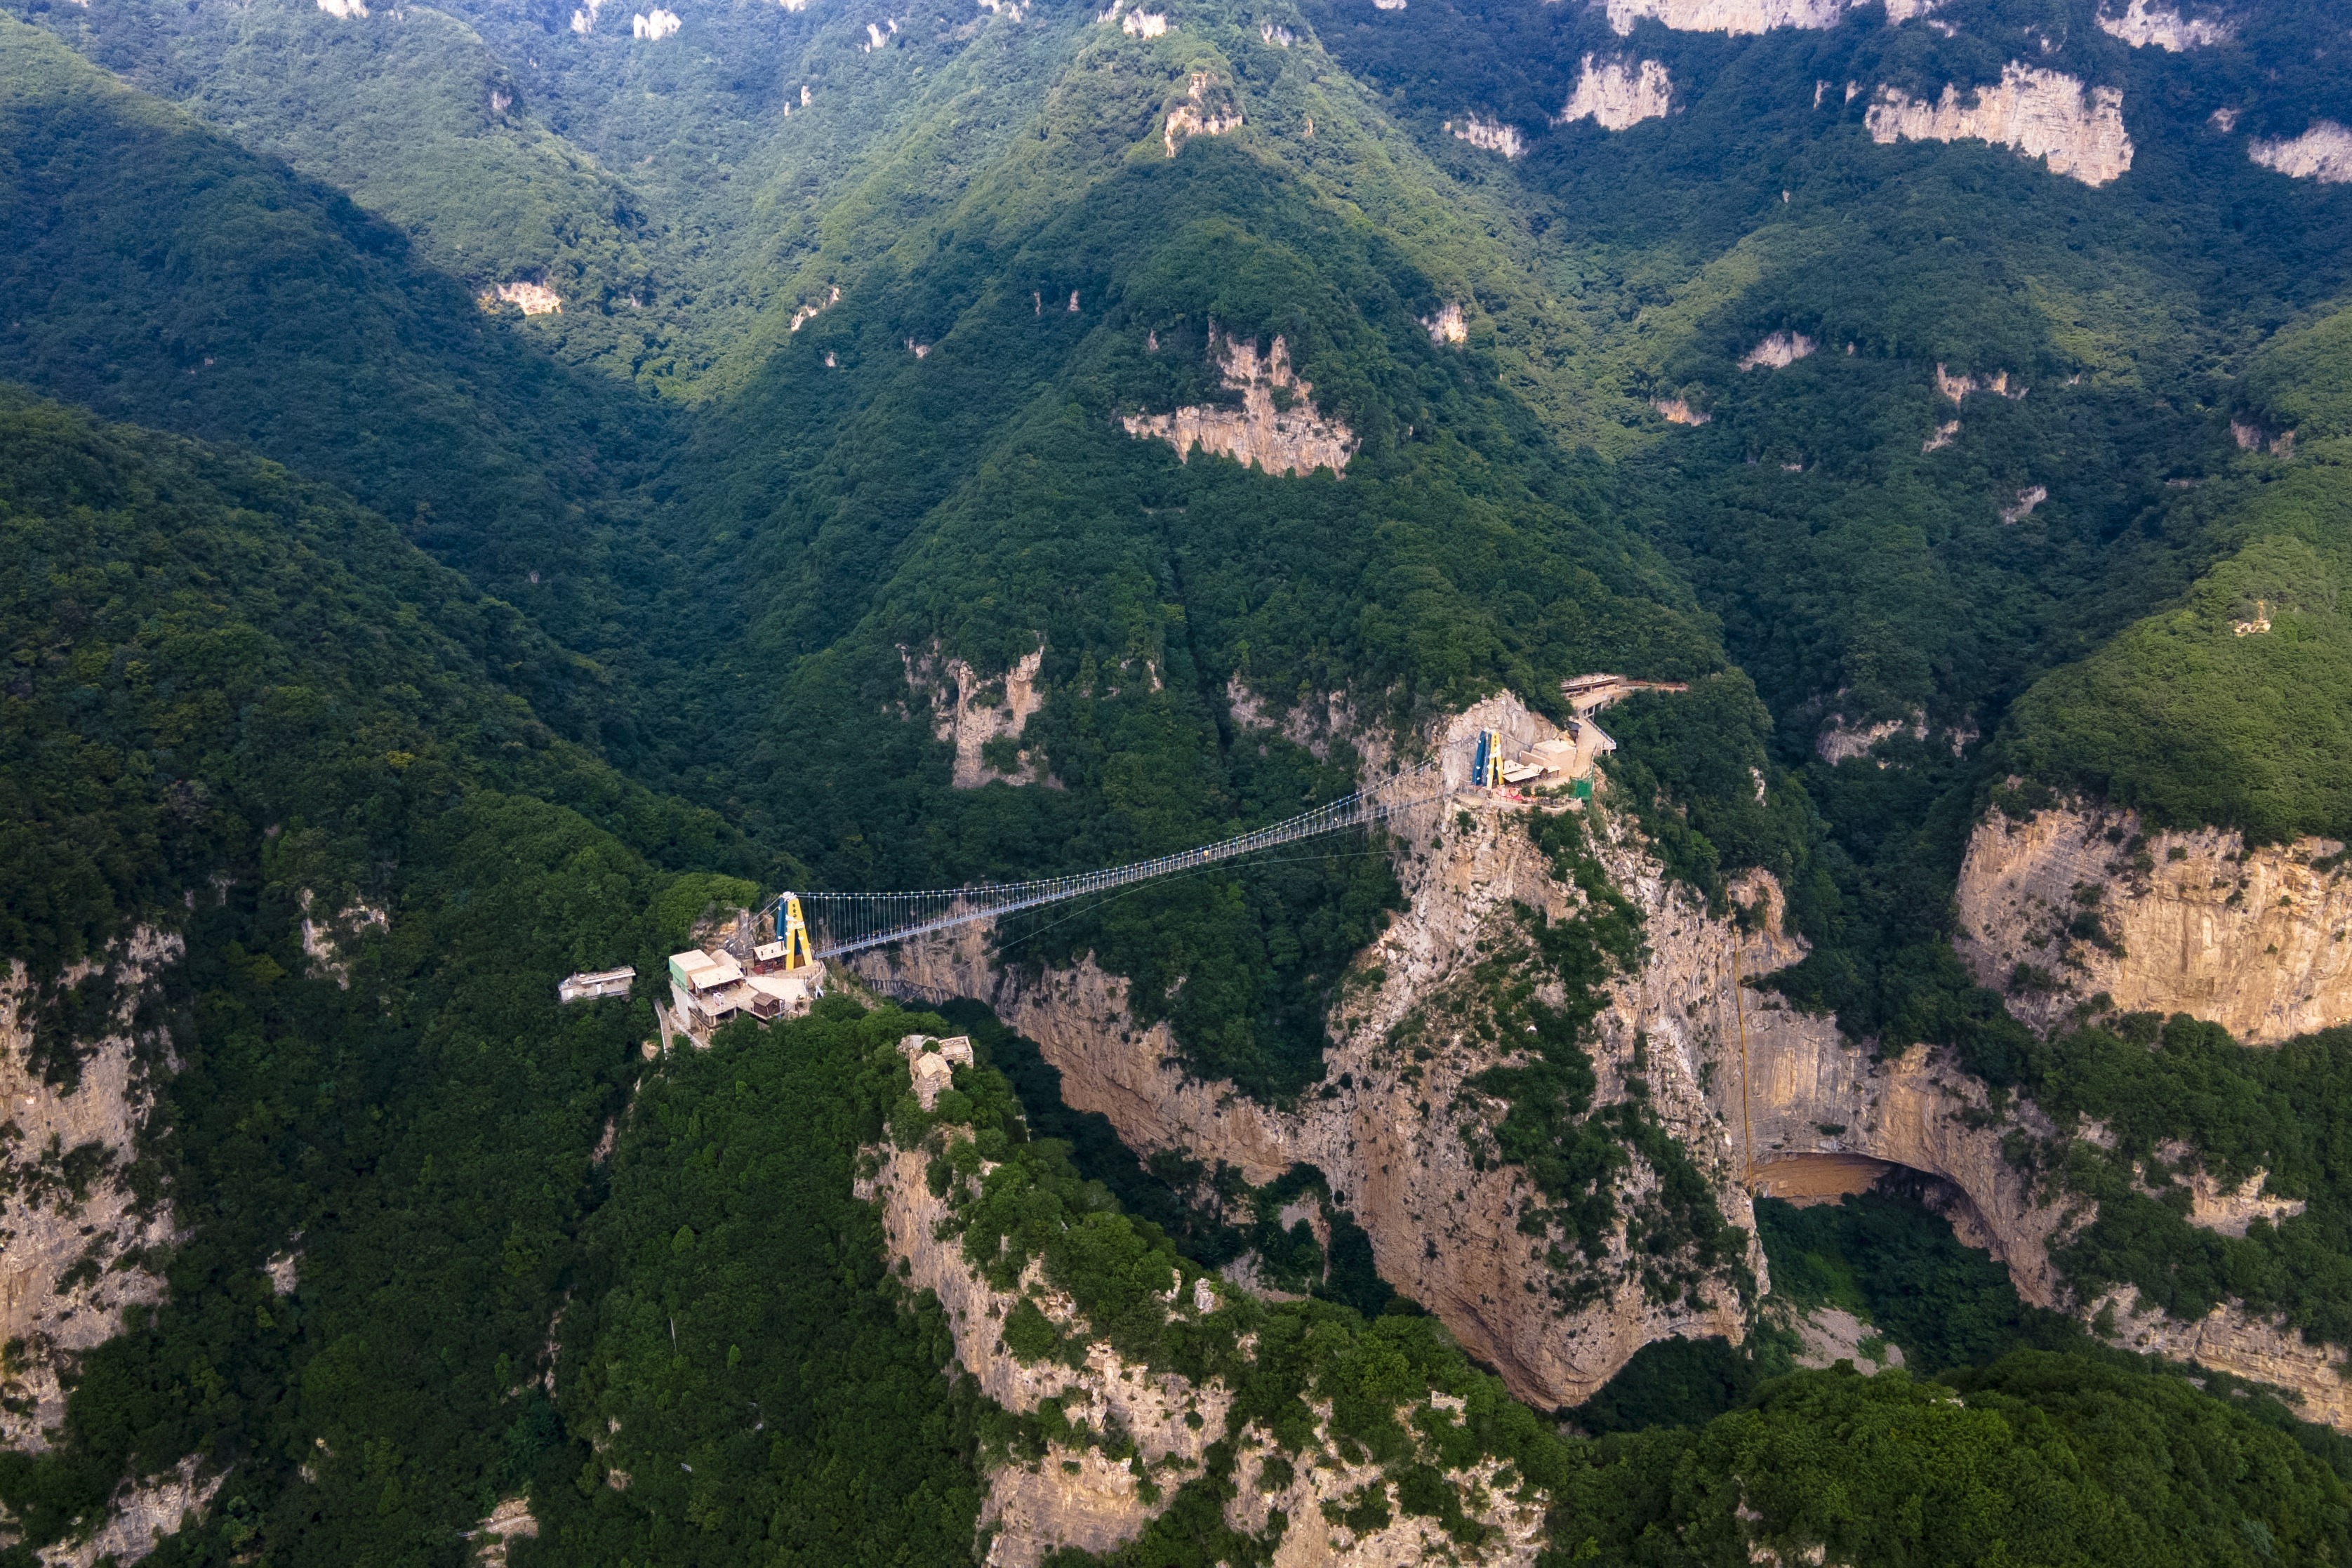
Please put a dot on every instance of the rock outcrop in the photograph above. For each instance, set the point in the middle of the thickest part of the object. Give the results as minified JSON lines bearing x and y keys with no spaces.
{"x":1446,"y":328}
{"x":2323,"y":153}
{"x":532,"y":299}
{"x":1728,"y":16}
{"x":2229,"y":1339}
{"x":1619,"y":94}
{"x":1760,"y":1097}
{"x":969,"y":711}
{"x":1313,"y":1540}
{"x":2076,"y":901}
{"x":2021,"y":505}
{"x":510,"y":1520}
{"x":1492,"y":136}
{"x":1292,"y":439}
{"x":73,"y":1235}
{"x":2140,"y":24}
{"x":1076,"y":1496}
{"x":1840,"y":742}
{"x":1777,"y":352}
{"x":138,"y":1516}
{"x":325,"y":940}
{"x":1034,"y":1512}
{"x":1958,"y":387}
{"x":1207,"y":110}
{"x":2041,"y":114}
{"x":2229,"y":1210}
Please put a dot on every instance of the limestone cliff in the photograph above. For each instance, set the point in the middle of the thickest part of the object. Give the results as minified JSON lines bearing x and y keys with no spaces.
{"x":969,"y":711}
{"x":2232,"y":1340}
{"x":1777,"y":352}
{"x":2140,"y":24}
{"x":1037,"y":1509}
{"x":1760,"y":1097}
{"x":1493,"y":135}
{"x":2323,"y":153}
{"x":1075,"y":1495}
{"x":73,"y":1235}
{"x":2041,"y":113}
{"x":2075,"y":901}
{"x":138,"y":1516}
{"x":1728,"y":16}
{"x":1207,"y":110}
{"x":1285,"y":437}
{"x":1619,"y":94}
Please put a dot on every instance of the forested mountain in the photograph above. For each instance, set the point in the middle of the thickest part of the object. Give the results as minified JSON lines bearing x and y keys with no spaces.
{"x":495,"y":488}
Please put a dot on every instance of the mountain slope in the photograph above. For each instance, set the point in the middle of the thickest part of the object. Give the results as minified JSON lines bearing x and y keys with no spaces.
{"x":292,"y":877}
{"x":159,"y":272}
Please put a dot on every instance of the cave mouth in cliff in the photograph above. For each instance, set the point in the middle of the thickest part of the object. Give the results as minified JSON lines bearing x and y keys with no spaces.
{"x":1823,"y":1178}
{"x":1829,"y":1176}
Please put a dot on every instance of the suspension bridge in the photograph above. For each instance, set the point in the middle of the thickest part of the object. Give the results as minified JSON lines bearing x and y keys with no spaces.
{"x":830,"y":925}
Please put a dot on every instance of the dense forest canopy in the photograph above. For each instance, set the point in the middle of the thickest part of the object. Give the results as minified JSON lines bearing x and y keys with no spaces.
{"x":490,"y":490}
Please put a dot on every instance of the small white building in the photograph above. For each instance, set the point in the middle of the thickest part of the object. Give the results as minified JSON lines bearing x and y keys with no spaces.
{"x":589,"y":987}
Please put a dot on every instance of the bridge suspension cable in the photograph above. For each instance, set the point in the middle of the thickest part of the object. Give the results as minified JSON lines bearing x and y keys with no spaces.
{"x":850,"y":922}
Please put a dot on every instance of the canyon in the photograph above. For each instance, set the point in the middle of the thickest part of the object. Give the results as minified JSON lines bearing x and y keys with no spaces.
{"x":1763,"y":1098}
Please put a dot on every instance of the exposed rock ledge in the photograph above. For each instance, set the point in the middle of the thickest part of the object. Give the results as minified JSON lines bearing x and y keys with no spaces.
{"x":137,"y":1518}
{"x":1777,"y":352}
{"x":1760,"y":1095}
{"x":1293,"y":440}
{"x":2323,"y":153}
{"x":2171,"y":923}
{"x":1076,"y":1497}
{"x":1728,"y":16}
{"x":2230,"y":1340}
{"x":1619,"y":94}
{"x":2041,"y":113}
{"x":70,"y":1212}
{"x":968,"y":712}
{"x":2140,"y":25}
{"x":1034,"y":1512}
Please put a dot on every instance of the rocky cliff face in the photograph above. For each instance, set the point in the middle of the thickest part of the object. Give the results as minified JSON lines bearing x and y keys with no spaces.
{"x":2041,"y":113}
{"x":1207,"y":110}
{"x":1075,"y":1496}
{"x":2323,"y":153}
{"x":1292,"y":439}
{"x":2141,"y":24}
{"x":1734,"y":16}
{"x":138,"y":1516}
{"x":2232,"y":1340}
{"x":74,"y":1236}
{"x":1618,"y":94}
{"x":969,"y":711}
{"x":1037,"y":1509}
{"x":2076,"y":901}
